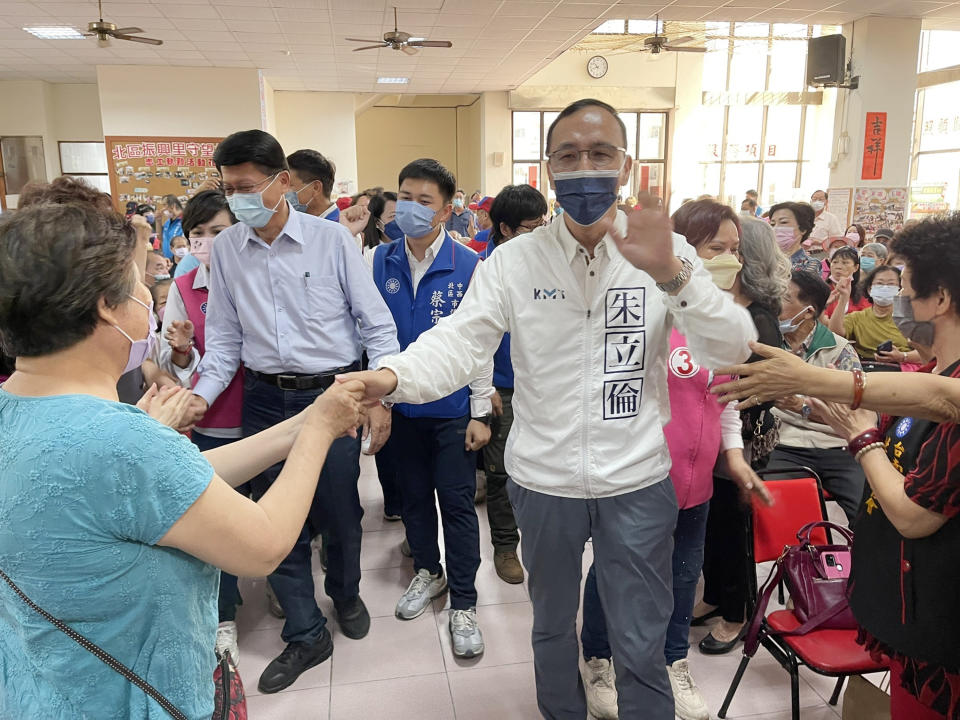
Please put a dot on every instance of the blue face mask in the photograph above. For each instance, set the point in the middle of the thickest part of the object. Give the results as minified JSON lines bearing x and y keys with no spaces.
{"x":392,"y":230}
{"x":586,"y":195}
{"x":414,"y":220}
{"x":867,"y":264}
{"x":249,"y":209}
{"x":293,"y":197}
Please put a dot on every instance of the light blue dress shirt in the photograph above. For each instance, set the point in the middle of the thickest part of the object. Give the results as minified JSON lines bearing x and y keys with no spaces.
{"x":304,"y":304}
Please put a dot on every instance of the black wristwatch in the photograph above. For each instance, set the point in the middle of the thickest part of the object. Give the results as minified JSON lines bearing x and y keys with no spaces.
{"x":485,"y":419}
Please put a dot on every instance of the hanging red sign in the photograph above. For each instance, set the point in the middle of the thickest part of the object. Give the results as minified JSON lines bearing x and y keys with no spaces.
{"x":874,"y":144}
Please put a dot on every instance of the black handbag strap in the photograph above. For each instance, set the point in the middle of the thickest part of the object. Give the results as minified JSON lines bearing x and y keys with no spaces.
{"x":101,"y":655}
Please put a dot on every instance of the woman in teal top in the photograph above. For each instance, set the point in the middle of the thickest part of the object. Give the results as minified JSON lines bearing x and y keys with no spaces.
{"x":110,"y":521}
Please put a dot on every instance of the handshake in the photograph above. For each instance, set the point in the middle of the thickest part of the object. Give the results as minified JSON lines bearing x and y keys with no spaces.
{"x":351,"y":402}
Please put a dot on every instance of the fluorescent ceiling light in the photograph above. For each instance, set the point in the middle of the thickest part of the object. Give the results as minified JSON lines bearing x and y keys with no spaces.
{"x":416,"y":39}
{"x":393,"y":80}
{"x":55,"y":33}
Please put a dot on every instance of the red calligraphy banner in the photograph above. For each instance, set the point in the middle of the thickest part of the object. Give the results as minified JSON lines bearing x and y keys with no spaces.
{"x":874,"y":144}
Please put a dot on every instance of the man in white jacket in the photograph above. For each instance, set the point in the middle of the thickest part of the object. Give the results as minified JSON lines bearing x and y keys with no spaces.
{"x":589,"y":301}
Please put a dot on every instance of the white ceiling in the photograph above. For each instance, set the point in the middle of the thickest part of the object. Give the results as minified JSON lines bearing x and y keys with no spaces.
{"x":299,"y":43}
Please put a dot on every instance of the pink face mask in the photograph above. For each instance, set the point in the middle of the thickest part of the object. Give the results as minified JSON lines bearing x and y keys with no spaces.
{"x":786,"y":237}
{"x":200,"y":248}
{"x":140,"y":350}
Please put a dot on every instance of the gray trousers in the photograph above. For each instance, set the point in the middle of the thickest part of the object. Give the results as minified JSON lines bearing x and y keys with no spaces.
{"x":632,"y":551}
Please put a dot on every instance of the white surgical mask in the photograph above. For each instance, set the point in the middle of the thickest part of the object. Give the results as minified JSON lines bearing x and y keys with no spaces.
{"x":180,"y":252}
{"x":883,"y":295}
{"x":818,"y":205}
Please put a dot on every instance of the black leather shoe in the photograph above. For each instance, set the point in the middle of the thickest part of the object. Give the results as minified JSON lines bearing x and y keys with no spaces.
{"x":354,"y":618}
{"x":298,"y":657}
{"x":702,"y":620}
{"x":711,"y":646}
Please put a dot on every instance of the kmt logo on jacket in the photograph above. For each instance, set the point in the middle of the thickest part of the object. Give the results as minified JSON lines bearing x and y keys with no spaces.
{"x":544,"y":294}
{"x":392,"y":286}
{"x":203,"y":308}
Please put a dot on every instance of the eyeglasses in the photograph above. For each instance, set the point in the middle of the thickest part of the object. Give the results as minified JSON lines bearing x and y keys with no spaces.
{"x":244,"y":189}
{"x":601,"y":156}
{"x":529,"y":227}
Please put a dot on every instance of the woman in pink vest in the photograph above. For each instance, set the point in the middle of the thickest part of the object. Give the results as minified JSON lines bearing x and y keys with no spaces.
{"x":205,"y":215}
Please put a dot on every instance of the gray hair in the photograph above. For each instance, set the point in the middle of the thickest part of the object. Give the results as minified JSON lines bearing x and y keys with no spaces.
{"x":766,"y":270}
{"x":878,"y":249}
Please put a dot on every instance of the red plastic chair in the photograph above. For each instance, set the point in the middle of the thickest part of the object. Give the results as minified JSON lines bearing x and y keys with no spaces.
{"x":834,"y":653}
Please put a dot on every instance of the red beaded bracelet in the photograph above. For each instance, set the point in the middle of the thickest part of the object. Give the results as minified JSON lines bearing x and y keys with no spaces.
{"x":868,"y":437}
{"x":859,"y":384}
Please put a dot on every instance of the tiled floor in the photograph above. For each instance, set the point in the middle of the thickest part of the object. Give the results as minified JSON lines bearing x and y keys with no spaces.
{"x":406,"y":670}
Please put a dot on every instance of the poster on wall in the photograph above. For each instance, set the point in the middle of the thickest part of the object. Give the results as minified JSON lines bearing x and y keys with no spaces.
{"x":927,"y":200}
{"x":874,"y":145}
{"x":876,"y":208}
{"x":146,"y":169}
{"x":839,"y":201}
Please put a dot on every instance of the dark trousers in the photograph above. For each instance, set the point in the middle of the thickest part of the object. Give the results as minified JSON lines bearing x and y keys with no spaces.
{"x":503,"y":525}
{"x":725,"y":560}
{"x":687,"y":562}
{"x":632,"y":544}
{"x":336,"y":512}
{"x":434,"y":466}
{"x":229,"y":597}
{"x":389,"y":479}
{"x":839,"y":472}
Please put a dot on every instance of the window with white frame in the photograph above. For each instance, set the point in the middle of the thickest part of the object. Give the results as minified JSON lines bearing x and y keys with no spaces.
{"x":87,"y":160}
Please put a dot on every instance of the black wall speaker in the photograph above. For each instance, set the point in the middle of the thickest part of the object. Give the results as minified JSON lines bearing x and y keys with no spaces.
{"x":826,"y":57}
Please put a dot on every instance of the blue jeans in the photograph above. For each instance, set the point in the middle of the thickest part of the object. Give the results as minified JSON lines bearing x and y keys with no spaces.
{"x":229,"y":597}
{"x":431,"y":459}
{"x":688,"y":539}
{"x":336,"y":512}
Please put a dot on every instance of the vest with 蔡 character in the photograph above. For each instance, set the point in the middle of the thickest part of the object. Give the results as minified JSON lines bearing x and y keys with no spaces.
{"x":439,"y":293}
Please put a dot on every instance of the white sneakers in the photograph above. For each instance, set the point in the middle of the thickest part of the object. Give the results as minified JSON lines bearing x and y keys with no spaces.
{"x":465,"y":633}
{"x":227,"y":640}
{"x":687,"y":697}
{"x":598,"y":683}
{"x":422,"y":589}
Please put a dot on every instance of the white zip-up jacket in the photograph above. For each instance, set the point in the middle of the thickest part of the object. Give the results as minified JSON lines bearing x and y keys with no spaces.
{"x":590,"y":396}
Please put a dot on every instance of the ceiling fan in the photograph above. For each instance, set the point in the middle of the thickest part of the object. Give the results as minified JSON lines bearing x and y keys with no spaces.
{"x":657,"y":43}
{"x":399,"y":40}
{"x":103,"y":31}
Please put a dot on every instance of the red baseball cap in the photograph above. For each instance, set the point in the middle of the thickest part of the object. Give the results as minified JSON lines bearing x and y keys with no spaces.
{"x":485,"y":204}
{"x":472,"y":206}
{"x":344,"y":201}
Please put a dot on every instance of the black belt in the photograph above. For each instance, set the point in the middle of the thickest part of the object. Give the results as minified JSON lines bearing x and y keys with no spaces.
{"x":296,"y":381}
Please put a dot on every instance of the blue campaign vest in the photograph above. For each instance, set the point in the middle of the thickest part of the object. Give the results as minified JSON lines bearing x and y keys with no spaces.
{"x":502,"y":364}
{"x":440,"y":292}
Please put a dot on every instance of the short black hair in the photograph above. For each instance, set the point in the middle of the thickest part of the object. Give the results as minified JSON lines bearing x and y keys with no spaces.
{"x":750,"y":202}
{"x":514,"y":205}
{"x":879,"y":269}
{"x":430,"y":169}
{"x":312,"y":166}
{"x":582,"y":105}
{"x":851,"y":254}
{"x":803,"y":213}
{"x":251,"y":146}
{"x":812,"y":290}
{"x":202,"y":208}
{"x":56,"y":262}
{"x":932,"y":253}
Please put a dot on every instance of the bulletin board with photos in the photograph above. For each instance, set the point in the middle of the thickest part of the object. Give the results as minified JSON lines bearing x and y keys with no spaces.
{"x":146,"y":169}
{"x":876,"y":208}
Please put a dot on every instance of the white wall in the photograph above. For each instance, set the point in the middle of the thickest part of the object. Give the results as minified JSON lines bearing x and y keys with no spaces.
{"x":885,"y":56}
{"x":321,"y":121}
{"x":496,"y":129}
{"x":201,"y":102}
{"x":52,"y":111}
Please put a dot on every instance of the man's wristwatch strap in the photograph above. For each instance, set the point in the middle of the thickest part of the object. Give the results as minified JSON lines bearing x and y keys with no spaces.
{"x":680,"y":279}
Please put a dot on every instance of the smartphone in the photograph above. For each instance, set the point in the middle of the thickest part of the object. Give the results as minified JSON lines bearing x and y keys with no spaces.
{"x":885,"y":346}
{"x":835,"y":564}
